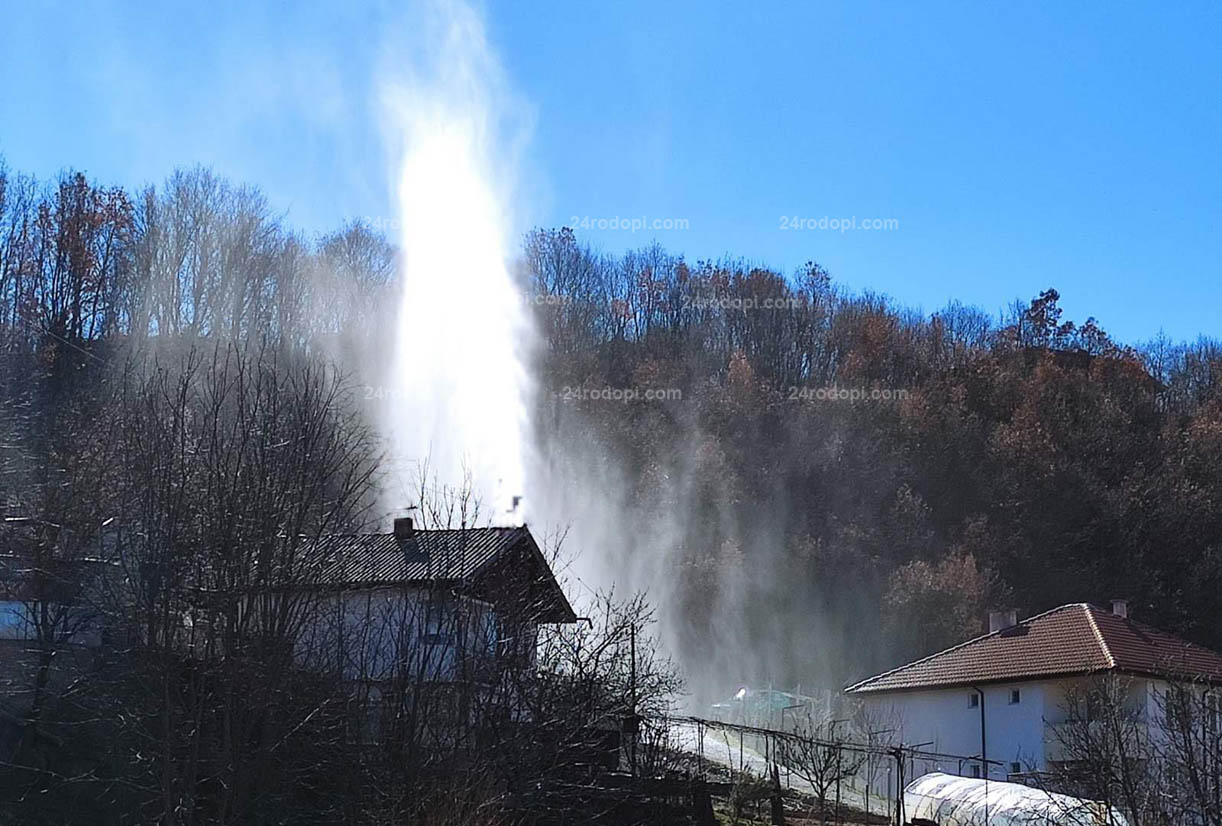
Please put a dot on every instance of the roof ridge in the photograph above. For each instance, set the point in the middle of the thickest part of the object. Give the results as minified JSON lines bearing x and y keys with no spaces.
{"x":428,"y":530}
{"x":1149,"y":629}
{"x":964,"y":644}
{"x":1094,"y":627}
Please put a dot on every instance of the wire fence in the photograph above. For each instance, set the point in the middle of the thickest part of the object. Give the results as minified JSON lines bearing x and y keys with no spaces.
{"x":866,"y":778}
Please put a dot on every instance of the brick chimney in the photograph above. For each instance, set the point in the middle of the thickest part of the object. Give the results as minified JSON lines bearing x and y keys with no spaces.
{"x":404,"y":529}
{"x":1001,"y":620}
{"x":1120,"y":607}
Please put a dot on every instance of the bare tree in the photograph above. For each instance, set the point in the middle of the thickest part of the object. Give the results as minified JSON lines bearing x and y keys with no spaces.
{"x":1191,"y":751}
{"x":1107,"y":753}
{"x":819,"y":755}
{"x":215,"y":470}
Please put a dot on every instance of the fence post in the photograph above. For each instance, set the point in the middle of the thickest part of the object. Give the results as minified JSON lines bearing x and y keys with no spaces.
{"x":778,"y":799}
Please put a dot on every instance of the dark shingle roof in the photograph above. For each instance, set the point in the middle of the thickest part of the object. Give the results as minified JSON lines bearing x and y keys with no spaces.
{"x":1072,"y":639}
{"x":490,"y":561}
{"x":429,"y":556}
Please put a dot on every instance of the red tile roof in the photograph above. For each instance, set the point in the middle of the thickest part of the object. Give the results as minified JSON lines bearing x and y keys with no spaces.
{"x":1072,"y":639}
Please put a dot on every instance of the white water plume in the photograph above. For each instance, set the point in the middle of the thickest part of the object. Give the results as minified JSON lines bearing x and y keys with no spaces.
{"x":459,"y":393}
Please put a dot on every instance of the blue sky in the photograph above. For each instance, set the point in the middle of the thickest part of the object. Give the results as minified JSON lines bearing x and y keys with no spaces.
{"x":1016,"y":146}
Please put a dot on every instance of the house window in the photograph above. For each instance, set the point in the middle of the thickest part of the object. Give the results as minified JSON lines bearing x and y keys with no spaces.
{"x":438,"y":626}
{"x":973,"y":700}
{"x":1016,"y":697}
{"x":16,"y":622}
{"x":975,"y":770}
{"x":1213,"y":709}
{"x":1016,"y":768}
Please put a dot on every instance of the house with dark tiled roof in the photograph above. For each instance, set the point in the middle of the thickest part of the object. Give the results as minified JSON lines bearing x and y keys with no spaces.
{"x":437,"y":605}
{"x":428,"y":624}
{"x":1003,"y":695}
{"x":402,"y":613}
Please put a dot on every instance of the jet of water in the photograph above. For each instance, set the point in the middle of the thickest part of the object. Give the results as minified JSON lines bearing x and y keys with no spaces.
{"x":459,"y":393}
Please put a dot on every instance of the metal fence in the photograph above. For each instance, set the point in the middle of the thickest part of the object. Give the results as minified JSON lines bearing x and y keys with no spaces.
{"x":842,"y":774}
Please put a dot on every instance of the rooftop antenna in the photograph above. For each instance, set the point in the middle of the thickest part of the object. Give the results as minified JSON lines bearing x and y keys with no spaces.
{"x":514,"y":502}
{"x":395,"y":513}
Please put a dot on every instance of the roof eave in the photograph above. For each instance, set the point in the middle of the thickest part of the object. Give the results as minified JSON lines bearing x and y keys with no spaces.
{"x":859,"y":689}
{"x":862,"y":688}
{"x":562,"y":611}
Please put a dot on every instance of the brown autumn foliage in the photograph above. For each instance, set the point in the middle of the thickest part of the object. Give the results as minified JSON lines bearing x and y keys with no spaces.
{"x":1065,"y":466}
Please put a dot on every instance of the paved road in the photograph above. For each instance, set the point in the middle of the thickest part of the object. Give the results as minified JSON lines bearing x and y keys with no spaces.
{"x":723,"y":747}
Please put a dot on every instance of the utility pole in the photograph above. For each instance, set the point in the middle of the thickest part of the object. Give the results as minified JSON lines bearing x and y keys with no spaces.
{"x":630,"y":723}
{"x":898,"y":754}
{"x":635,"y":724}
{"x":839,"y":752}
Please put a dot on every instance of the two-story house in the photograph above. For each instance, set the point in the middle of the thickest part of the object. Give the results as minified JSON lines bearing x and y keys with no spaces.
{"x":443,"y":616}
{"x":1007,"y":695}
{"x":399,"y":614}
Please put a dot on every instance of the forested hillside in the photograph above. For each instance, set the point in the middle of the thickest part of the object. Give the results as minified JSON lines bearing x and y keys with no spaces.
{"x":1026,"y":460}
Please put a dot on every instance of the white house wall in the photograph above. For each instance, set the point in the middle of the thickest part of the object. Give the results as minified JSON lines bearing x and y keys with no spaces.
{"x":1019,"y":735}
{"x":944,"y":721}
{"x":369,"y":634}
